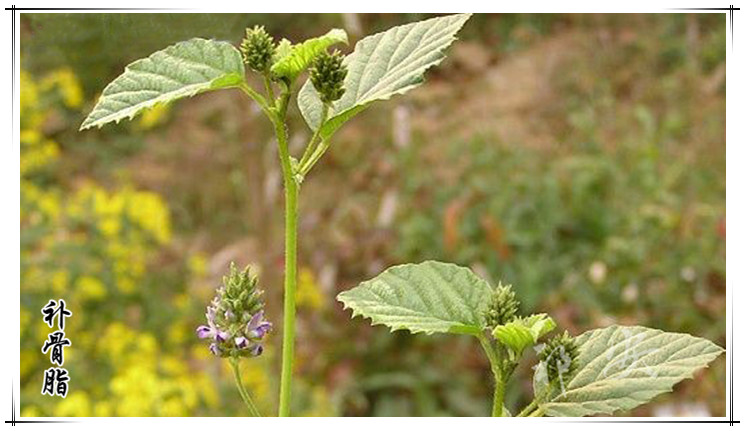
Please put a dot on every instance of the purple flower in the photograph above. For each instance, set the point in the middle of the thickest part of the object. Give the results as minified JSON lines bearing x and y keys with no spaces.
{"x":241,"y":342}
{"x":257,"y":350}
{"x":204,"y":331}
{"x":257,"y":327}
{"x":215,"y":349}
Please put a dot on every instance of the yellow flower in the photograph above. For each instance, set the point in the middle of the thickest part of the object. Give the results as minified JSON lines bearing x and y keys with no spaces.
{"x":153,"y":116}
{"x":60,"y":281}
{"x":75,"y":403}
{"x":197,"y":265}
{"x":31,"y":412}
{"x":90,"y":288}
{"x":65,"y":80}
{"x":103,"y":408}
{"x":309,"y":292}
{"x":172,"y":407}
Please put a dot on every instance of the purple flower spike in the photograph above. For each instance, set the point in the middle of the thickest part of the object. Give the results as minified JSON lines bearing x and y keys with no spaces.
{"x":235,"y":318}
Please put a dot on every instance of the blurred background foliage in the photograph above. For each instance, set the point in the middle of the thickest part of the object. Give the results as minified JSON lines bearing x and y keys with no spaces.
{"x":579,"y":157}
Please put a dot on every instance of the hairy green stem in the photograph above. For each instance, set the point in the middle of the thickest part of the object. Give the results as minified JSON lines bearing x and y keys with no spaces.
{"x":268,"y":87}
{"x":290,"y":282}
{"x":497,"y":408}
{"x":252,"y":410}
{"x":288,"y":330}
{"x":528,"y":409}
{"x":499,"y":380}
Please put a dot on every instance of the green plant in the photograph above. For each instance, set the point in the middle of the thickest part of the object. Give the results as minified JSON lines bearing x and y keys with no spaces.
{"x":382,"y":66}
{"x":598,"y":372}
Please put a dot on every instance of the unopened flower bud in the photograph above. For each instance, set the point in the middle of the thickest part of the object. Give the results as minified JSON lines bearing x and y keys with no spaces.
{"x":560,"y":357}
{"x":327,"y":74}
{"x":258,"y":49}
{"x":502,"y":307}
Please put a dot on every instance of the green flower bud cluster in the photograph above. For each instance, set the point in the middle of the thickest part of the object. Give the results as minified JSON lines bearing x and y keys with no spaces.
{"x":560,"y":356}
{"x":258,"y":49}
{"x":503,"y":306}
{"x":240,"y":291}
{"x":327,"y":74}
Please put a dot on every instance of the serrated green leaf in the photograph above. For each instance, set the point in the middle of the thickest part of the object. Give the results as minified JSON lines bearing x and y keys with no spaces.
{"x":427,"y":297}
{"x":181,"y":70}
{"x":622,"y":367}
{"x":382,"y":66}
{"x":523,"y":333}
{"x":292,"y":61}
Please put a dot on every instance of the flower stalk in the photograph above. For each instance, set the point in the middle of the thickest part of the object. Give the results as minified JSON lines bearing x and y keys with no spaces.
{"x":252,"y":410}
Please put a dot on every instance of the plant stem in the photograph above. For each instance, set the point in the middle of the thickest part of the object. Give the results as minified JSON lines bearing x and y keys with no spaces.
{"x":309,"y":149}
{"x":528,"y":409}
{"x":497,"y":408}
{"x":252,"y":410}
{"x":290,"y":284}
{"x":499,"y":382}
{"x":536,"y":413}
{"x":288,"y":334}
{"x":268,"y":87}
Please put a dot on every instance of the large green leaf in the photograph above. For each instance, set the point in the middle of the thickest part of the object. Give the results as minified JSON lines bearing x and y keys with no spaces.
{"x":427,"y":297}
{"x":181,"y":70}
{"x":622,"y":367}
{"x":381,"y":66}
{"x":525,"y":332}
{"x":293,"y":60}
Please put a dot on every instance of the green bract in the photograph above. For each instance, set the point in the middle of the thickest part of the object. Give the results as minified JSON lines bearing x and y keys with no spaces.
{"x":181,"y":70}
{"x":520,"y":334}
{"x":292,"y":60}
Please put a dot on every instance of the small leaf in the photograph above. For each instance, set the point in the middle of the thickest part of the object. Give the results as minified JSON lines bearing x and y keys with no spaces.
{"x":622,"y":367}
{"x":181,"y":70}
{"x":382,"y":66}
{"x":523,"y":333}
{"x":292,"y":61}
{"x":428,"y":297}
